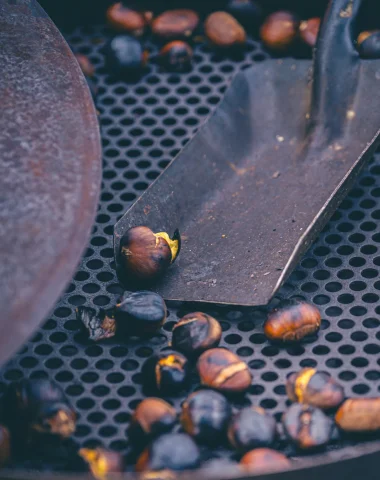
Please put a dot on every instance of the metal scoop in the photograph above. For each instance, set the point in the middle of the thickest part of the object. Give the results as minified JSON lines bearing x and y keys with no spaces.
{"x":259,"y":181}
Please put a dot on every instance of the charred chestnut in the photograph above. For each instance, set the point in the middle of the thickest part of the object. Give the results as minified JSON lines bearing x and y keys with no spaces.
{"x":124,"y":54}
{"x":195,"y":333}
{"x":224,"y":31}
{"x":121,"y":18}
{"x":166,"y":372}
{"x":152,"y":417}
{"x":247,"y":12}
{"x":102,"y":462}
{"x":292,"y":322}
{"x":314,"y":388}
{"x":205,"y":416}
{"x":99,"y":327}
{"x":251,"y":428}
{"x":279,"y":30}
{"x":174,"y":24}
{"x":140,"y":313}
{"x":176,"y":56}
{"x":146,"y":255}
{"x":309,"y":31}
{"x":223,"y":370}
{"x":172,"y":451}
{"x":369,"y":44}
{"x":359,"y":415}
{"x":263,"y":460}
{"x":5,"y":446}
{"x":307,"y":427}
{"x":85,"y":64}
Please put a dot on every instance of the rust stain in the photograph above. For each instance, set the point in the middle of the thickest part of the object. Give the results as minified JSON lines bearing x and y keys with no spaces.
{"x":241,"y":171}
{"x":147,"y":209}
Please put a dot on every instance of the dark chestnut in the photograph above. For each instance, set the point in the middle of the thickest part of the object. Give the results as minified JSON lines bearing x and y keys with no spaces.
{"x":205,"y":416}
{"x":85,"y":64}
{"x":252,"y":428}
{"x":309,"y":31}
{"x":146,"y":255}
{"x":359,"y":415}
{"x":195,"y":333}
{"x":279,"y":31}
{"x":314,"y":388}
{"x":248,"y":12}
{"x":369,"y":44}
{"x":99,"y":327}
{"x":124,"y":55}
{"x":224,"y":31}
{"x":152,"y":417}
{"x":5,"y":446}
{"x":223,"y":370}
{"x":172,"y":451}
{"x":175,"y":24}
{"x":307,"y":427}
{"x":166,"y":372}
{"x":140,"y":313}
{"x":292,"y":322}
{"x":176,"y":56}
{"x":101,"y":462}
{"x":124,"y":19}
{"x":264,"y":460}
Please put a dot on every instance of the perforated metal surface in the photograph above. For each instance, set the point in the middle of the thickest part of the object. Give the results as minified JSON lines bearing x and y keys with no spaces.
{"x":144,"y":125}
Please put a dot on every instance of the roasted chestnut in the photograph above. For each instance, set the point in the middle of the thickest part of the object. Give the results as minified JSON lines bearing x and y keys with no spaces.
{"x":121,"y":18}
{"x":264,"y":460}
{"x":279,"y":31}
{"x":5,"y":446}
{"x":314,"y":388}
{"x":152,"y":417}
{"x":172,"y":451}
{"x":369,"y":44}
{"x":205,"y":416}
{"x":292,"y":322}
{"x":309,"y":31}
{"x":102,"y":462}
{"x":140,"y":313}
{"x":146,"y":255}
{"x":251,"y":428}
{"x":247,"y":12}
{"x":195,"y":333}
{"x":85,"y":64}
{"x":124,"y":55}
{"x":99,"y":327}
{"x":307,"y":427}
{"x":176,"y":56}
{"x":224,"y":31}
{"x":166,"y":372}
{"x":223,"y":370}
{"x":175,"y":24}
{"x":359,"y":415}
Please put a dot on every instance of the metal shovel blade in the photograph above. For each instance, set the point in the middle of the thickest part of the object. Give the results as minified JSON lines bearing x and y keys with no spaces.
{"x":259,"y":181}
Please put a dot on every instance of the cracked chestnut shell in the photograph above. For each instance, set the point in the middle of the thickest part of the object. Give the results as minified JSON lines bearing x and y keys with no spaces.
{"x":85,"y":64}
{"x":99,"y":327}
{"x":121,"y":18}
{"x":314,"y":388}
{"x":279,"y":30}
{"x":223,"y":370}
{"x":152,"y":417}
{"x":309,"y":29}
{"x":101,"y":462}
{"x":176,"y":56}
{"x":175,"y":24}
{"x":359,"y":415}
{"x":146,"y":255}
{"x":263,"y":460}
{"x":172,"y":451}
{"x":292,"y":322}
{"x":307,"y":427}
{"x":140,"y":313}
{"x":369,"y":44}
{"x":224,"y":31}
{"x":205,"y":416}
{"x":252,"y":428}
{"x":125,"y":55}
{"x":195,"y":333}
{"x":166,"y":372}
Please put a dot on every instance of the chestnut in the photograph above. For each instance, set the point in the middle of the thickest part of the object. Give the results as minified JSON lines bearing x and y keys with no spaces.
{"x":359,"y":415}
{"x":223,"y":370}
{"x":264,"y":460}
{"x":121,"y":18}
{"x":175,"y":24}
{"x":146,"y":255}
{"x":99,"y":327}
{"x":314,"y":388}
{"x":5,"y":446}
{"x":125,"y":55}
{"x":152,"y":417}
{"x":172,"y":451}
{"x":102,"y":462}
{"x":205,"y":416}
{"x":166,"y":372}
{"x":140,"y":313}
{"x":195,"y":333}
{"x":85,"y":64}
{"x":292,"y":322}
{"x":176,"y":56}
{"x":369,"y":44}
{"x":224,"y":31}
{"x":308,"y":31}
{"x":279,"y":30}
{"x":252,"y":428}
{"x":248,"y":12}
{"x":307,"y":427}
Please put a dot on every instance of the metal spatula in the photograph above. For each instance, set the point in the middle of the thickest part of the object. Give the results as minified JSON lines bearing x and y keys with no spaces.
{"x":259,"y":181}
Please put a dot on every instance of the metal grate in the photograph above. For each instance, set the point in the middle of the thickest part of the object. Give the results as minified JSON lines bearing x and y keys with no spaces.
{"x":144,"y":125}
